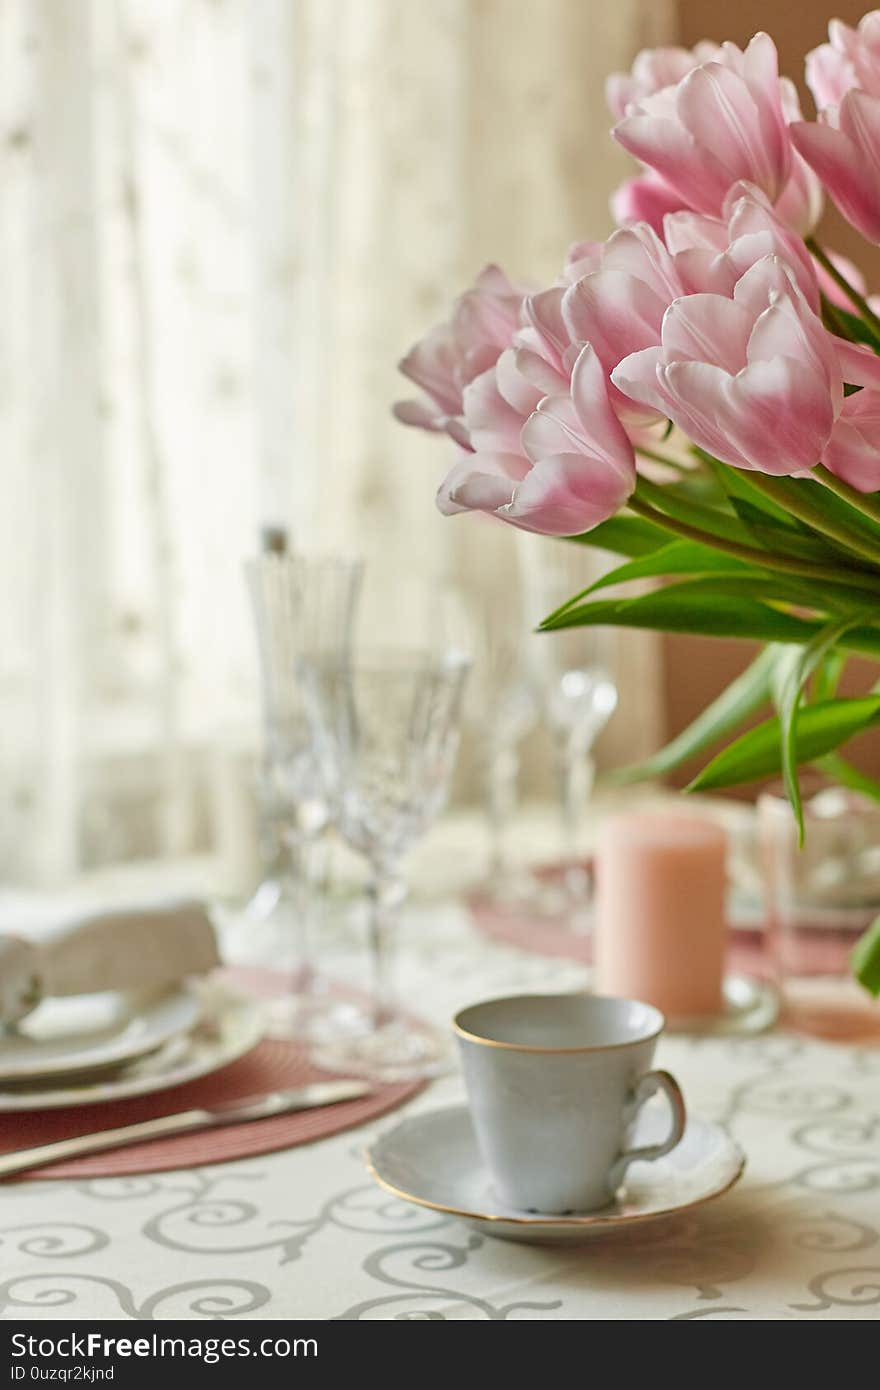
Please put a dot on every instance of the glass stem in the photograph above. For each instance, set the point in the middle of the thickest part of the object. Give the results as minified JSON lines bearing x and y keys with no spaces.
{"x":385,"y":894}
{"x":576,"y":774}
{"x":501,"y":790}
{"x":297,"y":889}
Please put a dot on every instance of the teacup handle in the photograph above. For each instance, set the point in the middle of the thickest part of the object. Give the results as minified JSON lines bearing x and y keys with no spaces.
{"x":647,"y":1086}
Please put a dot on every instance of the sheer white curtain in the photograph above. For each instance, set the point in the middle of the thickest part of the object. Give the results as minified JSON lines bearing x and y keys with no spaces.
{"x":222,"y":221}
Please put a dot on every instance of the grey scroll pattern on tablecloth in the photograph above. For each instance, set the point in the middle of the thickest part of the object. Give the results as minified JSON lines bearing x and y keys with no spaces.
{"x":805,"y":1219}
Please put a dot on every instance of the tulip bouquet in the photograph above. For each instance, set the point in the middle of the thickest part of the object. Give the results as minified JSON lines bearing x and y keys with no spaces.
{"x":700,"y":393}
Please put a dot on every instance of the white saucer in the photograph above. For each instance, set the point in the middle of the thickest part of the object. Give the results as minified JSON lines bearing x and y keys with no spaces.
{"x":432,"y":1160}
{"x":228,"y":1025}
{"x":88,"y":1032}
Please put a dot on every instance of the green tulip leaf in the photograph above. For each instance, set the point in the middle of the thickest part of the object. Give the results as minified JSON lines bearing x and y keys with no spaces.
{"x":809,"y":659}
{"x":733,"y":706}
{"x":865,"y":959}
{"x":757,"y":754}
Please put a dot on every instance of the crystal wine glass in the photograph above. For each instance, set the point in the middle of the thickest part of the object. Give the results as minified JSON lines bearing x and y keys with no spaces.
{"x":574,"y":669}
{"x":386,"y":726}
{"x":501,"y":707}
{"x":300,"y":603}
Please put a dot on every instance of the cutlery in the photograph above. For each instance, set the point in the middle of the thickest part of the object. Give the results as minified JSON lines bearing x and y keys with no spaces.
{"x":231,"y":1112}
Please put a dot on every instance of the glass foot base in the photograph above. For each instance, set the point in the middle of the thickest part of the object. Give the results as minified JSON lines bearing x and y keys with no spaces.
{"x":315,"y":1020}
{"x":395,"y":1052}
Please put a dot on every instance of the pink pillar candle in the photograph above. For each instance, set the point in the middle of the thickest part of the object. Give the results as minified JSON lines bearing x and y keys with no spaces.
{"x":660,"y":928}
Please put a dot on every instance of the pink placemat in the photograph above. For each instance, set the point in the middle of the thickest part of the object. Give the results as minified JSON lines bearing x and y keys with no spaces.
{"x":550,"y":936}
{"x":271,"y":1066}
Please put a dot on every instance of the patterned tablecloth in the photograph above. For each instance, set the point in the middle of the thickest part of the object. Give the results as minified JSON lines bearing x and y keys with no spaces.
{"x":306,"y":1234}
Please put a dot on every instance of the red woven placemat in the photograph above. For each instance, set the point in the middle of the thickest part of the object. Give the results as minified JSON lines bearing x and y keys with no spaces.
{"x":550,"y":936}
{"x":271,"y":1066}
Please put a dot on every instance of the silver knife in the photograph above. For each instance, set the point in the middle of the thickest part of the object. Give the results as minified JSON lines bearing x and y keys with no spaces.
{"x":231,"y":1112}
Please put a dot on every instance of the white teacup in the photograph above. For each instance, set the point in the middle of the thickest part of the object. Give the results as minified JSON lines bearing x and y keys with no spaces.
{"x":553,"y":1082}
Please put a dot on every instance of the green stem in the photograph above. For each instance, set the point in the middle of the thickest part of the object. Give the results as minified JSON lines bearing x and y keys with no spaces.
{"x":794,"y":499}
{"x":866,"y":502}
{"x":852,"y":294}
{"x":709,"y":519}
{"x":835,"y":322}
{"x":784,"y":563}
{"x":662,"y":458}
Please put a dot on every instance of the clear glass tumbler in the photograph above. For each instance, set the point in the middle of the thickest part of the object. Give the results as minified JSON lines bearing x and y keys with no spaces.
{"x":818,"y":901}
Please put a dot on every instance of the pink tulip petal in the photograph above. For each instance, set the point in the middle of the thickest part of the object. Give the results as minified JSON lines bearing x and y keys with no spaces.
{"x":554,"y":428}
{"x":537,"y":370}
{"x":802,"y":201}
{"x":544,"y":313}
{"x":783,"y":331}
{"x":704,"y":272}
{"x":697,"y":397}
{"x":718,"y":109}
{"x":420,"y":414}
{"x":637,"y":378}
{"x":780,"y":417}
{"x":582,"y":259}
{"x":672,"y":151}
{"x":513,"y":387}
{"x":480,"y":482}
{"x":430,"y":364}
{"x":645,"y":198}
{"x":842,"y":167}
{"x":566,"y":495}
{"x":767,"y":279}
{"x":707,"y":328}
{"x":601,"y":428}
{"x":493,"y":423}
{"x":638,"y":251}
{"x":682,"y":231}
{"x":853,"y":451}
{"x":858,"y":364}
{"x":829,"y":75}
{"x":459,"y":433}
{"x":859,"y":121}
{"x":615,"y":312}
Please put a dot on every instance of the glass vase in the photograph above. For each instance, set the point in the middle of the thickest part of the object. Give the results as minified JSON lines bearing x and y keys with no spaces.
{"x":819,"y":899}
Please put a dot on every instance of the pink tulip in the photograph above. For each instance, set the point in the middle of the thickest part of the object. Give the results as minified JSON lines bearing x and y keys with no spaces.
{"x":850,"y":59}
{"x":653,"y":70}
{"x":450,"y":356}
{"x":645,"y":198}
{"x":576,"y":469}
{"x":619,"y":307}
{"x":843,"y":148}
{"x":713,"y":253}
{"x":853,"y":451}
{"x":720,"y":124}
{"x":753,"y":378}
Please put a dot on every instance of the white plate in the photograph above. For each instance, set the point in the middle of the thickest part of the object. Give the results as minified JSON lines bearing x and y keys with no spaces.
{"x":432,"y":1160}
{"x":229,"y":1026}
{"x":91,"y":1031}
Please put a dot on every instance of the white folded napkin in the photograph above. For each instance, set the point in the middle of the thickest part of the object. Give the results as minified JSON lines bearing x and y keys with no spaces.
{"x":146,"y":947}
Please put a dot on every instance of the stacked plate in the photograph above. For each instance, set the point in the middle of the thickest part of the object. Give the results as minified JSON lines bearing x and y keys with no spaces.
{"x":109,"y":1046}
